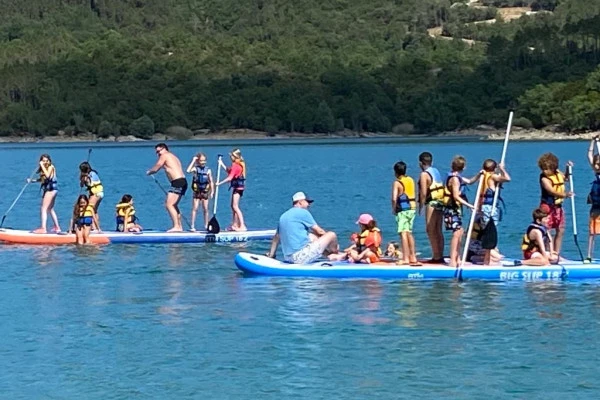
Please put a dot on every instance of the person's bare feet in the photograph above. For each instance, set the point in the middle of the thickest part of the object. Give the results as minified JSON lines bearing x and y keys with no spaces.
{"x":39,"y":230}
{"x":172,"y":230}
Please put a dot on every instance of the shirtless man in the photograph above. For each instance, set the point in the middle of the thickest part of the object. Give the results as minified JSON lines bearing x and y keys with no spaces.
{"x":172,"y":166}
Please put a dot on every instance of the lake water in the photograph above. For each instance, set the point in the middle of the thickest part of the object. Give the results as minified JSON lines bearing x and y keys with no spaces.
{"x":179,"y":321}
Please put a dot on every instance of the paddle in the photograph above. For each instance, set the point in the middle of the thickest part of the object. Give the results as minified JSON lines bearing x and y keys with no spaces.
{"x":213,"y":225}
{"x":29,"y":180}
{"x":166,"y":193}
{"x":472,"y":222}
{"x":489,"y":234}
{"x":570,"y":169}
{"x":87,"y":160}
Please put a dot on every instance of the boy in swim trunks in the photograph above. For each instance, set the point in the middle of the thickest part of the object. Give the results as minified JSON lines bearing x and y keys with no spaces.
{"x":454,"y":199}
{"x":404,"y":208}
{"x":172,"y":166}
{"x":537,"y":246}
{"x":553,"y":194}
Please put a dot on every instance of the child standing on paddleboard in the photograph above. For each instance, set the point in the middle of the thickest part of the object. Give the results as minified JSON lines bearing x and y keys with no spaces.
{"x":553,"y":194}
{"x":236,"y":175}
{"x":492,"y":184}
{"x":90,"y":179}
{"x":454,"y":200}
{"x":49,"y":186}
{"x":404,"y":207}
{"x":202,"y":186}
{"x":594,"y":197}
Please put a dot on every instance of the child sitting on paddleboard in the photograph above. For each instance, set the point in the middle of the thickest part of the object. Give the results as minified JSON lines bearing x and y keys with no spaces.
{"x":393,"y":251}
{"x":90,"y":179}
{"x":553,"y":194}
{"x":83,"y":218}
{"x":476,"y":254}
{"x":366,"y":247}
{"x":594,"y":197}
{"x":404,"y":207}
{"x":236,"y":175}
{"x":537,"y":245}
{"x":126,"y":218}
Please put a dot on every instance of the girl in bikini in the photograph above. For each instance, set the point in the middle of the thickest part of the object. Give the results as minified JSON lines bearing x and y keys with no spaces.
{"x":49,"y":186}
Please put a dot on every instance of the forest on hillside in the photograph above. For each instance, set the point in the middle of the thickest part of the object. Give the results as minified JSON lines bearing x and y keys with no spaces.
{"x":139,"y":66}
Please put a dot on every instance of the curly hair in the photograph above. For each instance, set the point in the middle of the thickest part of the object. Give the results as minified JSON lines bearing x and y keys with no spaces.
{"x":548,"y":162}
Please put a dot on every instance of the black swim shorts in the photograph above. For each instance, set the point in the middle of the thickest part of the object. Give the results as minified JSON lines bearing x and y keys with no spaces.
{"x":179,"y":186}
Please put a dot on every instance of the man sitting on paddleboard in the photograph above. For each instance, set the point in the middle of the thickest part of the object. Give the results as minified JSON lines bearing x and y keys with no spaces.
{"x":302,"y":240}
{"x":172,"y":167}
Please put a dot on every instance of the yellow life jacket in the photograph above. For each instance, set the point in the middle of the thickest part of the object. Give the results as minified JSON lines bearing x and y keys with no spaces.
{"x":487,"y":193}
{"x":94,"y":186}
{"x":558,"y":184}
{"x":125,"y":208}
{"x":476,"y":233}
{"x":88,"y":211}
{"x":406,"y":201}
{"x":371,"y":239}
{"x":435,"y":191}
{"x":448,"y":200}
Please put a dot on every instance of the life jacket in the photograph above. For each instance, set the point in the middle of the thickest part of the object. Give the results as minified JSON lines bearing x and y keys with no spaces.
{"x":48,"y":184}
{"x":95,"y":185}
{"x":487,"y":193}
{"x":594,"y":195}
{"x":448,"y":199}
{"x":86,"y":216}
{"x":527,"y":244}
{"x":122,"y":210}
{"x":558,"y":184}
{"x":370,"y":239}
{"x":435,"y":192}
{"x":406,"y":201}
{"x":238,"y":182}
{"x":476,"y":233}
{"x":200,"y":180}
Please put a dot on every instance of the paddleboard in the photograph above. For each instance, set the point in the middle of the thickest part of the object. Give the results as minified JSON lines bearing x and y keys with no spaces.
{"x":16,"y":236}
{"x":255,"y":264}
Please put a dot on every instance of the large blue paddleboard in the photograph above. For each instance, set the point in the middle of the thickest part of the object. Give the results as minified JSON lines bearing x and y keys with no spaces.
{"x":255,"y":264}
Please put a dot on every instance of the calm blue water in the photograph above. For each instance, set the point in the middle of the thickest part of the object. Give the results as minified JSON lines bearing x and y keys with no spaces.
{"x":179,"y":321}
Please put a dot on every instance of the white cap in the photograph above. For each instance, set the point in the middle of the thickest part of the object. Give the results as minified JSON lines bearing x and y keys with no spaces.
{"x":300,"y":196}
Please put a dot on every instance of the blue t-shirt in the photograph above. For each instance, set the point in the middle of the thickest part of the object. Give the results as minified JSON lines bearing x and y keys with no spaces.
{"x":294,"y":226}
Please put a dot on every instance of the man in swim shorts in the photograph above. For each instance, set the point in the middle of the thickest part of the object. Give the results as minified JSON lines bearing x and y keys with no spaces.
{"x":302,"y":240}
{"x":172,"y":166}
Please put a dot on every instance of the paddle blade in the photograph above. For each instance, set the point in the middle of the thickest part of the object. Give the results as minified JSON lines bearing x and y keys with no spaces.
{"x":489,"y":236}
{"x":213,"y":225}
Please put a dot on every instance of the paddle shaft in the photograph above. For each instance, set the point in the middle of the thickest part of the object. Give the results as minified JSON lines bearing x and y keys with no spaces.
{"x":572,"y":184}
{"x":217,"y":188}
{"x":18,"y":196}
{"x":508,"y":128}
{"x":166,"y":193}
{"x":472,"y":222}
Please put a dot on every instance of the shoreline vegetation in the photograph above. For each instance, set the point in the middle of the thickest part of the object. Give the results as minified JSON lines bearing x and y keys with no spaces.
{"x":483,"y":132}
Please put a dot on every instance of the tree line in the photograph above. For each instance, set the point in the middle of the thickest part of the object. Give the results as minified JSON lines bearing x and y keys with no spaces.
{"x":139,"y":66}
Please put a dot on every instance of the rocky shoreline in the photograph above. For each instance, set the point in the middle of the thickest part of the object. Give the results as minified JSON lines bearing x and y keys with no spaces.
{"x":484,"y":132}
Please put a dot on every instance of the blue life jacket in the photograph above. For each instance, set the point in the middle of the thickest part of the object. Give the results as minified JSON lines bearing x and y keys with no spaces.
{"x":200,"y":181}
{"x":594,"y":195}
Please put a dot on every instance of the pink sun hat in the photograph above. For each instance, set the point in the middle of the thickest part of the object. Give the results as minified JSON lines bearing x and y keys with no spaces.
{"x":364,"y":219}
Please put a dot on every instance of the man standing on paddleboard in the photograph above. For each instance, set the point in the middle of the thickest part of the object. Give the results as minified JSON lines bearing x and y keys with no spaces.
{"x":302,"y":240}
{"x":172,"y":167}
